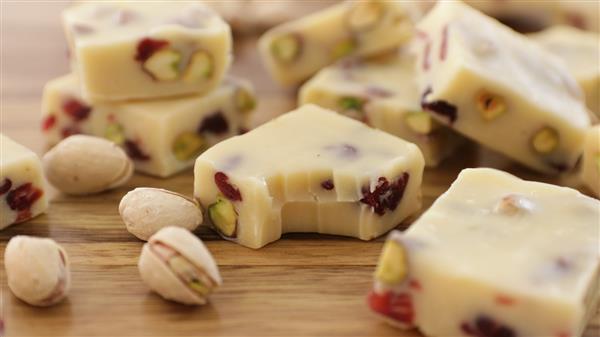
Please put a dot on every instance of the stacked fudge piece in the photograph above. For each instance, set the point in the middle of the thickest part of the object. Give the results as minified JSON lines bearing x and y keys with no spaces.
{"x":151,"y":78}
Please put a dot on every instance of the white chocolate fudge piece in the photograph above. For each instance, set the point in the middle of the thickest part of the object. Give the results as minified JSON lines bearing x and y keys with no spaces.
{"x":311,"y":170}
{"x":590,"y":167}
{"x":128,"y":50}
{"x":499,"y":88}
{"x":22,"y":183}
{"x":494,"y":256}
{"x":163,"y":136}
{"x":581,"y":52}
{"x":294,"y":51}
{"x":384,"y":95}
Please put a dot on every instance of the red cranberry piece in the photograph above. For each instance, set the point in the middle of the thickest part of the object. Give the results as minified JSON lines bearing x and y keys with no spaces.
{"x":215,"y":123}
{"x":378,"y":92}
{"x":69,"y":131}
{"x":426,"y":52}
{"x":439,"y":107}
{"x":344,"y":150}
{"x":444,"y":43}
{"x":134,"y":152}
{"x":6,"y":185}
{"x":22,"y":197}
{"x":48,"y":122}
{"x":486,"y":327}
{"x":396,"y":306}
{"x":327,"y":184}
{"x":76,"y":110}
{"x":242,"y":130}
{"x":385,"y":195}
{"x":229,"y":191}
{"x":576,"y":20}
{"x":147,"y":46}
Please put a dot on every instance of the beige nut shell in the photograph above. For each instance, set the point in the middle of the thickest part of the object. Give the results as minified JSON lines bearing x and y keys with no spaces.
{"x":82,"y":164}
{"x":33,"y":269}
{"x":161,"y":279}
{"x":146,"y":210}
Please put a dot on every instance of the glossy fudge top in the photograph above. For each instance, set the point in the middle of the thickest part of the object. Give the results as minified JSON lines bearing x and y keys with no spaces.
{"x":310,"y":138}
{"x":95,"y":22}
{"x":12,"y":152}
{"x":468,"y":39}
{"x":579,"y":49}
{"x":529,"y":237}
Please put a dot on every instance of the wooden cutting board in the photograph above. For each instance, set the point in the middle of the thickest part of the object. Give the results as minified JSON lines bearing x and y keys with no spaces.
{"x":301,"y":285}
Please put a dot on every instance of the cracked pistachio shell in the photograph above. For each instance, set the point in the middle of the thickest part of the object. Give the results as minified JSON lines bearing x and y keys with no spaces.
{"x":37,"y":270}
{"x":146,"y":210}
{"x":161,"y":279}
{"x":81,"y":165}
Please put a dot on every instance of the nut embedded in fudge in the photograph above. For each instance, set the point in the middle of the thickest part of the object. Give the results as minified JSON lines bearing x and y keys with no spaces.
{"x":161,"y":136}
{"x":340,"y":178}
{"x":22,"y":184}
{"x":484,"y":261}
{"x":499,"y":88}
{"x":383,"y":94}
{"x":134,"y":51}
{"x":294,"y":51}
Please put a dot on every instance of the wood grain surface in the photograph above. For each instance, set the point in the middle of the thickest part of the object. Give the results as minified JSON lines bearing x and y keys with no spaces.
{"x":301,"y":285}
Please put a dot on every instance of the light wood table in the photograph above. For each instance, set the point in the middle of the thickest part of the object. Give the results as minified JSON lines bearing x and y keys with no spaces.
{"x":302,"y":285}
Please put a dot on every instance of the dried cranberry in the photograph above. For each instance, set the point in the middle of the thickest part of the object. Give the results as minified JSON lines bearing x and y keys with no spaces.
{"x":559,"y":167}
{"x":576,"y":20}
{"x":76,"y":110}
{"x":426,"y":52}
{"x":229,"y":191}
{"x":22,"y":197}
{"x":327,"y":184}
{"x":343,"y":150}
{"x":147,"y":46}
{"x":378,"y":92}
{"x":134,"y":152}
{"x":385,"y":195}
{"x":487,"y":327}
{"x":396,"y":306}
{"x":444,"y":43}
{"x":439,"y":107}
{"x":6,"y":185}
{"x":48,"y":122}
{"x":242,"y":130}
{"x":215,"y":123}
{"x":69,"y":131}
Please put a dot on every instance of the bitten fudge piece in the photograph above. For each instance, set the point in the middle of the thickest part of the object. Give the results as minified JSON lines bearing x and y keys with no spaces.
{"x":294,"y":51}
{"x":163,"y":136}
{"x":129,"y":50}
{"x":384,"y":95}
{"x":22,"y":183}
{"x":494,"y":256}
{"x":581,"y":52}
{"x":590,"y":168}
{"x":499,"y":88}
{"x":311,"y":170}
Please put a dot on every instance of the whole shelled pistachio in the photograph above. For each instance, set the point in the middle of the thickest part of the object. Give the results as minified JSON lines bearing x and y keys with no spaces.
{"x":175,"y":264}
{"x":37,"y":270}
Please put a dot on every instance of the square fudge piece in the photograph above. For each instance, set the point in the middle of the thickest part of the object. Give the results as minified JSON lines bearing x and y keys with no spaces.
{"x":311,"y":170}
{"x":581,"y":52}
{"x":128,"y":50}
{"x":22,"y":183}
{"x":162,"y":137}
{"x":590,"y":167}
{"x":296,"y":50}
{"x":494,"y":256}
{"x":499,"y":88}
{"x":382,"y":93}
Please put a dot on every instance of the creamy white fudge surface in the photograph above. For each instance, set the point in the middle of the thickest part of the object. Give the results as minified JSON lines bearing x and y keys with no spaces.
{"x":499,"y":88}
{"x":135,"y":50}
{"x":22,"y":183}
{"x":494,"y":256}
{"x":382,"y":93}
{"x":590,"y":166}
{"x":310,"y":170}
{"x":580,"y":50}
{"x":294,"y":51}
{"x":163,"y":136}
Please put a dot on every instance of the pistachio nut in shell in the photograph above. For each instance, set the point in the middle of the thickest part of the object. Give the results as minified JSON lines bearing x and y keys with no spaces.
{"x":37,"y":270}
{"x":146,"y":210}
{"x":83,"y":165}
{"x":176,"y":265}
